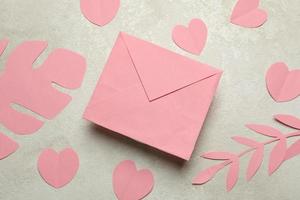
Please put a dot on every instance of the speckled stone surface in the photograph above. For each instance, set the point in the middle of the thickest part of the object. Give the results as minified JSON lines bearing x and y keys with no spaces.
{"x":244,"y":55}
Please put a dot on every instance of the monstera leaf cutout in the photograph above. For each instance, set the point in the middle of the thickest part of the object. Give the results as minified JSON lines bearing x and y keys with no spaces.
{"x":31,"y":88}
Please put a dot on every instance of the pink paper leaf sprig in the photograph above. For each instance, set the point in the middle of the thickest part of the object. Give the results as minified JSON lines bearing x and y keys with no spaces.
{"x":288,"y":120}
{"x":257,"y":156}
{"x":280,"y":152}
{"x":233,"y":172}
{"x":292,"y":122}
{"x":31,"y":88}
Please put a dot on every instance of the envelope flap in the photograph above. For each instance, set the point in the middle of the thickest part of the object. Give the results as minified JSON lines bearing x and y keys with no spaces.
{"x":162,"y":71}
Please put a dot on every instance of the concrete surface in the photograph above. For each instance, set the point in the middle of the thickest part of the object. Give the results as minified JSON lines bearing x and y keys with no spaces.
{"x":244,"y":55}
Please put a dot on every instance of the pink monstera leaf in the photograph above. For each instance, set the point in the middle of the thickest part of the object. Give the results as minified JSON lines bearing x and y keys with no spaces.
{"x":7,"y":146}
{"x":31,"y":88}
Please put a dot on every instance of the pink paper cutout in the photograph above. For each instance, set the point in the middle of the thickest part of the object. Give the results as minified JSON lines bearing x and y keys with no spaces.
{"x":248,"y":14}
{"x":265,"y":130}
{"x":191,"y":38}
{"x":293,"y":150}
{"x":233,"y":174}
{"x":7,"y":146}
{"x":257,"y":156}
{"x":288,"y":120}
{"x":207,"y":174}
{"x":246,"y":141}
{"x":283,"y":85}
{"x":278,"y":152}
{"x":255,"y":162}
{"x":219,"y":156}
{"x":277,"y":155}
{"x":153,"y":96}
{"x":32,"y":88}
{"x":130,"y":184}
{"x":99,"y":12}
{"x":58,"y":169}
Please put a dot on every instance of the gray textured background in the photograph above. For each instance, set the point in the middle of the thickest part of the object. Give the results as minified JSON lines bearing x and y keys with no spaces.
{"x":244,"y":55}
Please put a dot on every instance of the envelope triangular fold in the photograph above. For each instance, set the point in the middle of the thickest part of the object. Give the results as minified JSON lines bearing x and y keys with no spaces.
{"x":162,"y":71}
{"x":171,"y":123}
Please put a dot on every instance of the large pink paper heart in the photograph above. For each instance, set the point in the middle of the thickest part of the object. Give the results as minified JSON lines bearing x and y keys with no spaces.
{"x":99,"y":12}
{"x":247,"y":14}
{"x":58,"y":169}
{"x":192,"y":38}
{"x":7,"y":146}
{"x":283,"y":85}
{"x":130,"y":184}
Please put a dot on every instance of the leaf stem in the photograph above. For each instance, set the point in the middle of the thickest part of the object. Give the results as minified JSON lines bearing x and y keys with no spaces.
{"x":293,"y":134}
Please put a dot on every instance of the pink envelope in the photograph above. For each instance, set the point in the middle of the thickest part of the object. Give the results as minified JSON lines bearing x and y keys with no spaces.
{"x":153,"y":95}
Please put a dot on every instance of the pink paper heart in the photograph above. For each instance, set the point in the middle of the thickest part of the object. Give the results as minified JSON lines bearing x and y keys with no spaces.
{"x":192,"y":38}
{"x":99,"y":12}
{"x":130,"y":184}
{"x":247,"y":14}
{"x":7,"y":146}
{"x":58,"y":169}
{"x":283,"y":85}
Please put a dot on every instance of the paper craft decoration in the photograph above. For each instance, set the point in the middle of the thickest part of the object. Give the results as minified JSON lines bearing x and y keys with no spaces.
{"x":191,"y":38}
{"x":153,"y":95}
{"x":288,"y":120}
{"x":283,"y":84}
{"x":131,"y":184}
{"x":58,"y":169}
{"x":278,"y":155}
{"x":7,"y":146}
{"x":247,"y":13}
{"x":233,"y":172}
{"x":257,"y":156}
{"x":278,"y":152}
{"x":32,"y":88}
{"x":99,"y":12}
{"x":292,"y":122}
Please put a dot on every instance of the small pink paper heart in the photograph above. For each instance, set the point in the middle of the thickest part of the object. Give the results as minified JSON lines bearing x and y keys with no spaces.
{"x":192,"y":38}
{"x":7,"y":146}
{"x":247,"y":14}
{"x":58,"y":169}
{"x":99,"y":12}
{"x":130,"y":184}
{"x":283,"y":85}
